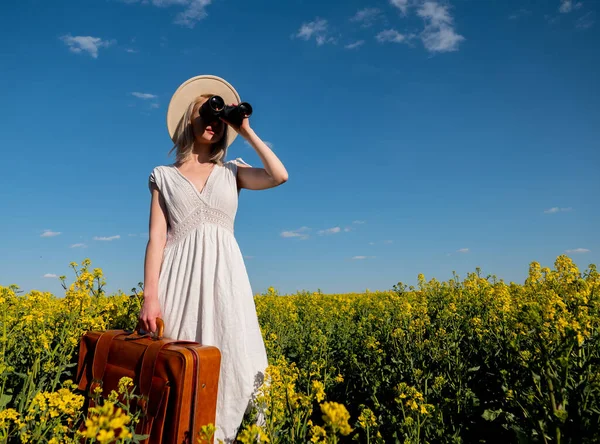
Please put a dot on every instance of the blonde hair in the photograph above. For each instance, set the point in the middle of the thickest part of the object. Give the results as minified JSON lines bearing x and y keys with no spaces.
{"x":184,"y":136}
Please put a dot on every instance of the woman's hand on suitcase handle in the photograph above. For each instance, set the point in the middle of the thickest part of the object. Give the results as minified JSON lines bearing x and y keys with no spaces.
{"x":150,"y":311}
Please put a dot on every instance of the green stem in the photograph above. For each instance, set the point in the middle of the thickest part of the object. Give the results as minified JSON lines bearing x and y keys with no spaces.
{"x":553,"y":403}
{"x":4,"y":340}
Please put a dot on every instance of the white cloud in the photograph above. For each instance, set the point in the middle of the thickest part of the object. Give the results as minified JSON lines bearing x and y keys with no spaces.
{"x":111,"y":238}
{"x":443,"y":39}
{"x":300,"y":233}
{"x":366,"y":17}
{"x":50,"y":233}
{"x":586,"y":21}
{"x":317,"y":29}
{"x":402,"y":5}
{"x":307,"y":30}
{"x":269,"y":144}
{"x":363,"y":257}
{"x":333,"y":230}
{"x":390,"y":35}
{"x":347,"y":229}
{"x":567,"y":6}
{"x":520,"y":13}
{"x":463,"y":250}
{"x":355,"y":45}
{"x":131,"y":51}
{"x":91,"y":45}
{"x":388,"y":242}
{"x":78,"y":246}
{"x":578,"y":250}
{"x":439,"y":34}
{"x":436,"y":14}
{"x":193,"y":10}
{"x":144,"y":96}
{"x":147,"y":97}
{"x":358,"y":222}
{"x":51,"y":276}
{"x":556,"y":210}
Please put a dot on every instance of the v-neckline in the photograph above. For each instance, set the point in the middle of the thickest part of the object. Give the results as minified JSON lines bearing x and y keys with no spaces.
{"x":200,"y":193}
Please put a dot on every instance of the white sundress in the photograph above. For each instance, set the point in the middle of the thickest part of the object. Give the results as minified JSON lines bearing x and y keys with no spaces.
{"x":204,"y":290}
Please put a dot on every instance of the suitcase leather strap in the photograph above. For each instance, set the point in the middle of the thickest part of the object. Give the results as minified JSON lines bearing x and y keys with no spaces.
{"x":149,"y":366}
{"x":101,"y":357}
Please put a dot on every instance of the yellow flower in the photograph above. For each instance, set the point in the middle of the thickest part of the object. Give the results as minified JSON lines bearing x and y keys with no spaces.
{"x":318,"y":434}
{"x":124,"y":384}
{"x":10,"y":415}
{"x":105,"y":436}
{"x":426,"y":409}
{"x":336,"y":416}
{"x":252,"y":434}
{"x":367,"y":418}
{"x":439,"y":382}
{"x":412,"y":404}
{"x":104,"y":421}
{"x":207,"y":432}
{"x":318,"y":389}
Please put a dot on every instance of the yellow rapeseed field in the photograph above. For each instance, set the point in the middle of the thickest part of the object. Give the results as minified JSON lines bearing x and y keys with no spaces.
{"x":475,"y":360}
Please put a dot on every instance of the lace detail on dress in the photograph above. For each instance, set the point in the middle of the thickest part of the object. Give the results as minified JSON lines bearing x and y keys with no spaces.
{"x":202,"y":215}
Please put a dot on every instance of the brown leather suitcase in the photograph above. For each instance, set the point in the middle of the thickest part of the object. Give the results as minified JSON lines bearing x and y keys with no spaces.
{"x":177,"y":380}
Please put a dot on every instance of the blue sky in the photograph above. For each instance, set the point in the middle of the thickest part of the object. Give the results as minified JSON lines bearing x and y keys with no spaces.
{"x":419,"y":136}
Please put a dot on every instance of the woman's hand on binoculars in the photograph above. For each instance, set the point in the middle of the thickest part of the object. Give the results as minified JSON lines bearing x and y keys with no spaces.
{"x":243,"y":129}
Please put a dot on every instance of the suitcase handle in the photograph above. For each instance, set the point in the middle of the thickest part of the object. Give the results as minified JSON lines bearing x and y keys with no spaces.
{"x":139,"y":332}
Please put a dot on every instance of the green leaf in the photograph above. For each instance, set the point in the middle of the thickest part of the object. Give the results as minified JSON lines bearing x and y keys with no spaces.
{"x":5,"y":398}
{"x":491,"y":415}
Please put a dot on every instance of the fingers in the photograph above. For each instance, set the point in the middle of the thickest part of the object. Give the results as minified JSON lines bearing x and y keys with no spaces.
{"x":152,"y":325}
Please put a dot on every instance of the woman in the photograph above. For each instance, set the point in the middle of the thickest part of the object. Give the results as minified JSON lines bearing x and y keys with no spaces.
{"x":194,"y":273}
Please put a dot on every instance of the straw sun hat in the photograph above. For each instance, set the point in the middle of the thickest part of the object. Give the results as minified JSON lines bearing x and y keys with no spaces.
{"x":194,"y":87}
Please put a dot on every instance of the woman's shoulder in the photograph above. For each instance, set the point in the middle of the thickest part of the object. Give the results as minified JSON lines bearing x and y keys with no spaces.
{"x":238,"y":161}
{"x":162,"y":168}
{"x":160,"y":173}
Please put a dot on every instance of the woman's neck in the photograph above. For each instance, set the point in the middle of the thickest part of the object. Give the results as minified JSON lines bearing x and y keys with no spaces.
{"x":201,"y":153}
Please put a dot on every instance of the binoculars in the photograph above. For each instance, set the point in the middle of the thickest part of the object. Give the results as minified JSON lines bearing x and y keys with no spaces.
{"x":215,"y":108}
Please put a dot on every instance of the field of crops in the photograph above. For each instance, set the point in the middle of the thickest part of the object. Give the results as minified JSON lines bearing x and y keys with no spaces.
{"x":472,"y":360}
